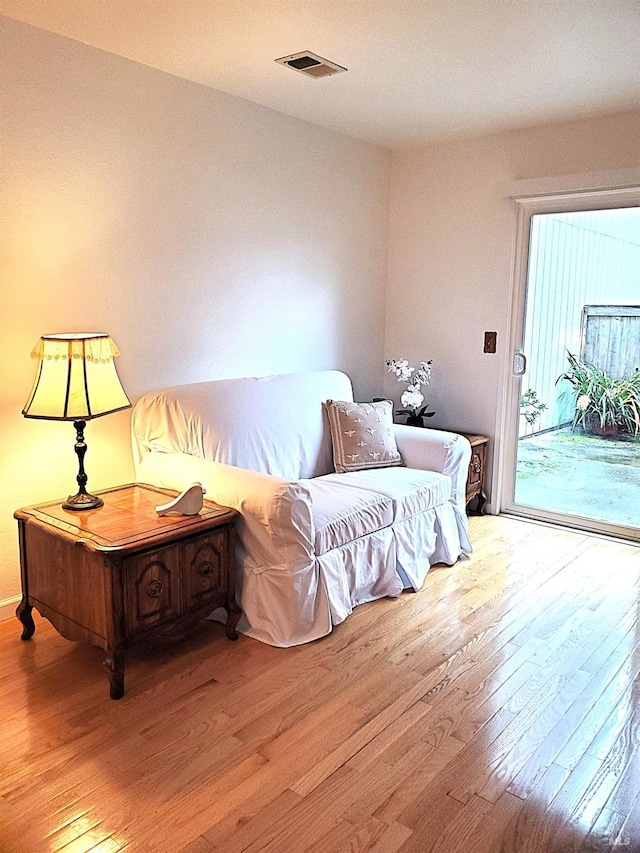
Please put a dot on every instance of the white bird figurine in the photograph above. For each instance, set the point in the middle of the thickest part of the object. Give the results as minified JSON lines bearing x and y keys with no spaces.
{"x":188,"y":502}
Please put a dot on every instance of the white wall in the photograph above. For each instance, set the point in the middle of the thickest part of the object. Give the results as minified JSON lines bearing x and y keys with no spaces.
{"x":452,"y":232}
{"x":209,"y":236}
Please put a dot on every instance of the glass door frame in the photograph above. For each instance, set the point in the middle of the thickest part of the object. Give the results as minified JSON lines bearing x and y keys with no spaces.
{"x":527,"y":207}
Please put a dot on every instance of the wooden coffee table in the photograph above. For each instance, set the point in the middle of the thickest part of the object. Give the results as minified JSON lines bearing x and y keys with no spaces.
{"x":120,"y":574}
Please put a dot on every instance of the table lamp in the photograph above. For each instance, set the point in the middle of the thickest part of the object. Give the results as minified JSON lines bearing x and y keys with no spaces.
{"x":76,"y":380}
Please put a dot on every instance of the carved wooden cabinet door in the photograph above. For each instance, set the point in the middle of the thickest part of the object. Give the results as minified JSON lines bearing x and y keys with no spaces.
{"x":205,"y":568}
{"x":152,"y":588}
{"x":476,"y":469}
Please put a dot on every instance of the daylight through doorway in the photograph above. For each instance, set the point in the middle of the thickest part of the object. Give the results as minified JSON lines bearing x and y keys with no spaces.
{"x":577,"y":454}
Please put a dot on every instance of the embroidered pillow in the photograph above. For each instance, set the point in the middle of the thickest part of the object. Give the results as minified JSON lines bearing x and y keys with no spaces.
{"x":362,"y":435}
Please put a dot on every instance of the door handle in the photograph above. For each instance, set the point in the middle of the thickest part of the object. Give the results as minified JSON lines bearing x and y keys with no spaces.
{"x":519,"y":363}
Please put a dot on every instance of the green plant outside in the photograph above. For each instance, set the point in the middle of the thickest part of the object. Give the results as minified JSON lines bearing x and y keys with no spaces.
{"x":531,"y":406}
{"x":598,"y":397}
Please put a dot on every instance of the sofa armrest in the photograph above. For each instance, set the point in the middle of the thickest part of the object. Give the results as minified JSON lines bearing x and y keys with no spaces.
{"x":276,"y":523}
{"x":437,"y":450}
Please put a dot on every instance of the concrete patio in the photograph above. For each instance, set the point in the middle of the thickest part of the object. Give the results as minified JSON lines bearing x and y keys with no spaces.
{"x":571,"y":472}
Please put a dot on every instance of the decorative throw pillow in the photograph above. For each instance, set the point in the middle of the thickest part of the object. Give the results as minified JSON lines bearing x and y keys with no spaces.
{"x":362,"y":435}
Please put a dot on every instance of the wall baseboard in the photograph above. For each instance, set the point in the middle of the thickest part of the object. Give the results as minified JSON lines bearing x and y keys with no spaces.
{"x":8,"y":607}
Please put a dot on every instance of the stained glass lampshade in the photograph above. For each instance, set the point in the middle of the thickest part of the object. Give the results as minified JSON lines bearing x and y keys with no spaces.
{"x":76,"y":380}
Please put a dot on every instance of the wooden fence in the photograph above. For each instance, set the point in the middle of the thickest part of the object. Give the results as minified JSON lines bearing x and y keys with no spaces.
{"x":611,"y":338}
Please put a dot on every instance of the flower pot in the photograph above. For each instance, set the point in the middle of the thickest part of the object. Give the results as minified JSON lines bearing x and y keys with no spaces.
{"x":414,"y":420}
{"x":606,"y":430}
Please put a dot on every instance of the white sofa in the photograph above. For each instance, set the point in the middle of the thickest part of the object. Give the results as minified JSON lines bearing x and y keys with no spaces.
{"x":313,"y":543}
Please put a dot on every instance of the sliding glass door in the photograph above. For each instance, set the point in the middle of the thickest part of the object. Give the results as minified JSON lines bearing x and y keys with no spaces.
{"x":572,"y":453}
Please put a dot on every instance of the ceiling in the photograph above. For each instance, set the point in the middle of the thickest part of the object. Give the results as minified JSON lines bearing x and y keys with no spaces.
{"x":418,"y":70}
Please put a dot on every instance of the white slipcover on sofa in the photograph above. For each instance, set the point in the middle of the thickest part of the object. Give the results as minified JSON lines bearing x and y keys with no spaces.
{"x":313,"y":543}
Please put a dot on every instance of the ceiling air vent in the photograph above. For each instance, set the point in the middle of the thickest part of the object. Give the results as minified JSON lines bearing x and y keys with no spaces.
{"x":310,"y":64}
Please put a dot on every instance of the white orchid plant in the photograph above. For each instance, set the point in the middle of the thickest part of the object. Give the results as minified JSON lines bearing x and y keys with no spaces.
{"x":416,"y":378}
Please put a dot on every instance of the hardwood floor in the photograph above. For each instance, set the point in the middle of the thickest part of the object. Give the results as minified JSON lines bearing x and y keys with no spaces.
{"x":497,"y":710}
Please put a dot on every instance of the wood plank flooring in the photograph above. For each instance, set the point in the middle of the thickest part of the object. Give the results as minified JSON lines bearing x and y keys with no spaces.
{"x":495,"y":711}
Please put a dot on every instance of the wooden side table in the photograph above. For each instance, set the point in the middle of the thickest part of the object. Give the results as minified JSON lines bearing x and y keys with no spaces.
{"x":477,"y":472}
{"x":120,"y":574}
